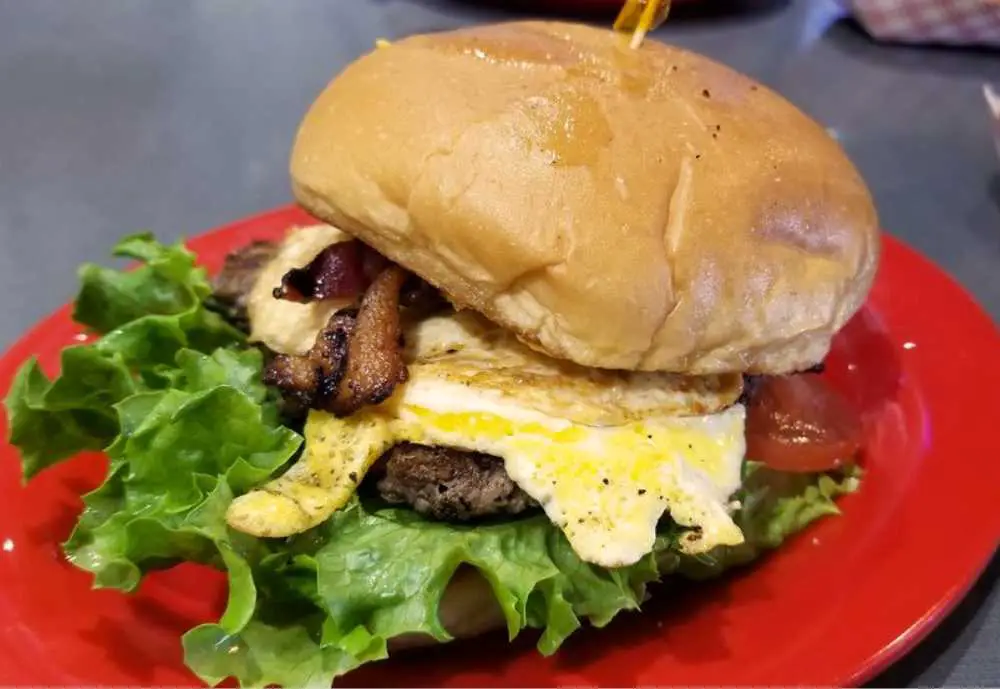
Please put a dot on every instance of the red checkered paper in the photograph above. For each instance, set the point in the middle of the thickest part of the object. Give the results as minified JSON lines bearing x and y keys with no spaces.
{"x":945,"y":22}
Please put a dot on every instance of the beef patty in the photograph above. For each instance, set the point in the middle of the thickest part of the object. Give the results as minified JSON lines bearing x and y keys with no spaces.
{"x":232,"y":285}
{"x":448,"y":484}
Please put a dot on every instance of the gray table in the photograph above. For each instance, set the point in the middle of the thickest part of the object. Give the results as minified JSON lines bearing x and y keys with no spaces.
{"x":177,"y":115}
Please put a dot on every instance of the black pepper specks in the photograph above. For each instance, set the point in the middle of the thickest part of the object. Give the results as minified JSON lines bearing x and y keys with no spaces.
{"x":353,"y":476}
{"x":706,"y":93}
{"x":642,"y":491}
{"x":606,"y":482}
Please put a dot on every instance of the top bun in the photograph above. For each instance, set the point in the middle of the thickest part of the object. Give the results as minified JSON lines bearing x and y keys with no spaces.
{"x":640,"y":209}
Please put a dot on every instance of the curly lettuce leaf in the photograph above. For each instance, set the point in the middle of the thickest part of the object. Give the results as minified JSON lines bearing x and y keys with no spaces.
{"x":775,"y":505}
{"x":49,"y":423}
{"x":781,"y":504}
{"x":168,"y":282}
{"x":370,"y":574}
{"x":148,"y":316}
{"x":180,"y":459}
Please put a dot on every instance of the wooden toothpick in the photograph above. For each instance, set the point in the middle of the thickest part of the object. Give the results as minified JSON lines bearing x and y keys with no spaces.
{"x":640,"y":17}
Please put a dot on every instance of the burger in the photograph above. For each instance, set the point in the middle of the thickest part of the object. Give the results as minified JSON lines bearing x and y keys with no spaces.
{"x":554,"y":335}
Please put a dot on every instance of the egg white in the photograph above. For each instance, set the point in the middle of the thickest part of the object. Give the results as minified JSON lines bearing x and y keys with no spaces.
{"x":605,"y":487}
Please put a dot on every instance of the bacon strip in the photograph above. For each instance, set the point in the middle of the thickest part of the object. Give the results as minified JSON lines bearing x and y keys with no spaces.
{"x":375,"y":363}
{"x":307,"y":381}
{"x":357,"y":357}
{"x":340,"y":270}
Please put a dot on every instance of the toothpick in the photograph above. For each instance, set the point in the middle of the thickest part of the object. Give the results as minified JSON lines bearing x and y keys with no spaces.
{"x":641,"y":17}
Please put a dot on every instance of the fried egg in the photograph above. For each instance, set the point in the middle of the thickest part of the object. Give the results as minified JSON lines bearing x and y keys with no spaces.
{"x":605,"y":453}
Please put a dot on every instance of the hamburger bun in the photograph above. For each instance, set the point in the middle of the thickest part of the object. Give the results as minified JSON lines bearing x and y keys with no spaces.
{"x":643,"y":209}
{"x":468,"y":608}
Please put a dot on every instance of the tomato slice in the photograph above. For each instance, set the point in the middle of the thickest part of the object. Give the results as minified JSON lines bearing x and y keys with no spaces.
{"x":799,"y":423}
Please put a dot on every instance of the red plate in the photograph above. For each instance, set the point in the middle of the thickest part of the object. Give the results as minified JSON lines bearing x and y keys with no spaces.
{"x":833,"y":607}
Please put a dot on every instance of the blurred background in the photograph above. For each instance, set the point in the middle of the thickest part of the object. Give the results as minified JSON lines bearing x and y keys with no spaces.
{"x":177,"y":116}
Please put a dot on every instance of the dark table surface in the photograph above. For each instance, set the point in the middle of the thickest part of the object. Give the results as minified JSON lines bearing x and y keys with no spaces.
{"x":177,"y":116}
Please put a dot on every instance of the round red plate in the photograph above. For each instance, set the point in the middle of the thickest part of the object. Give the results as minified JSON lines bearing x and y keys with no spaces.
{"x":836,"y":605}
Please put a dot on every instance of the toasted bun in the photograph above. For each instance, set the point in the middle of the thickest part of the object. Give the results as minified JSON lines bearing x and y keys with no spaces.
{"x":468,"y":608}
{"x":637,"y":209}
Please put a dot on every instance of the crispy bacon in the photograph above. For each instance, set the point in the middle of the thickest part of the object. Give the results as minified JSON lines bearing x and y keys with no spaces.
{"x":375,"y":363}
{"x":340,"y":270}
{"x":357,"y":357}
{"x":346,"y":269}
{"x":309,"y":380}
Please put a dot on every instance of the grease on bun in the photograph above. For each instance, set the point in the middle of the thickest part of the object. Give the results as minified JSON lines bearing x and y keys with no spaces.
{"x":640,"y":209}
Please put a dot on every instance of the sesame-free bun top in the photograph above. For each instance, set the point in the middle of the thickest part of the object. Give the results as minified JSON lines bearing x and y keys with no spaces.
{"x":621,"y":208}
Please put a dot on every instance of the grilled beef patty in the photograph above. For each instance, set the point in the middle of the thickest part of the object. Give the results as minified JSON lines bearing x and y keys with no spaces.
{"x":448,"y":484}
{"x":232,"y":285}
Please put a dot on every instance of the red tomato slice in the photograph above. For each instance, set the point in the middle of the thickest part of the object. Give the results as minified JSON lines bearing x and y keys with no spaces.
{"x":799,"y":423}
